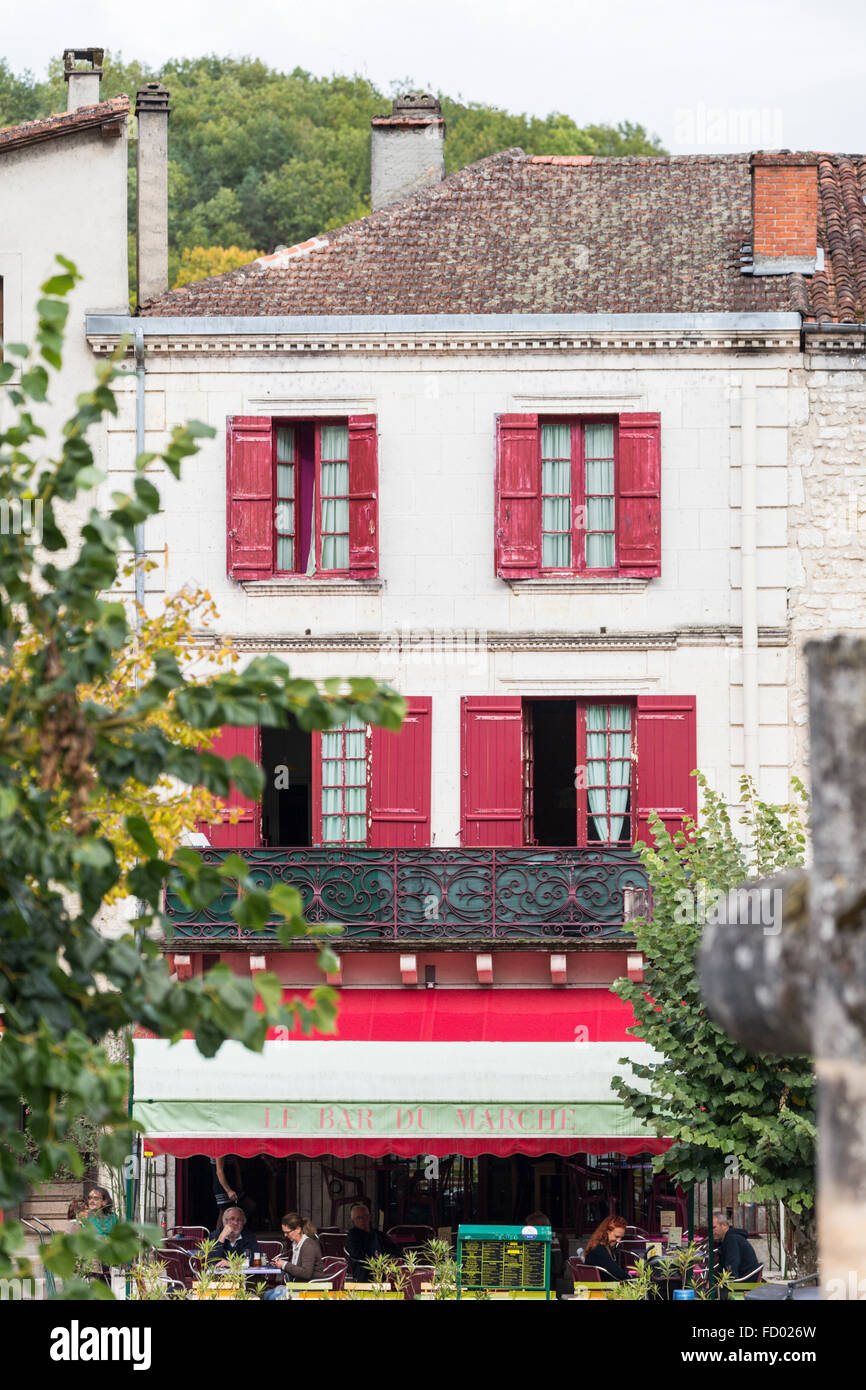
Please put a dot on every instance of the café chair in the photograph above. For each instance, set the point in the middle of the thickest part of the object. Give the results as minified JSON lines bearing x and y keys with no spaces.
{"x":270,"y":1248}
{"x":335,"y":1270}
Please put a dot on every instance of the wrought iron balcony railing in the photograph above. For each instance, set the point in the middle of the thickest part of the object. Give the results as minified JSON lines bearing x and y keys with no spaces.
{"x":441,"y":895}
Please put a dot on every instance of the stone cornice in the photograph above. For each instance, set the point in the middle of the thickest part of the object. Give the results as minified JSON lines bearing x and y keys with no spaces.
{"x":471,"y":643}
{"x":192,"y":344}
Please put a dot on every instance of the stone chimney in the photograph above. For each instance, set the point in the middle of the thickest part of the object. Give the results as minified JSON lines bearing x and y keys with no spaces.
{"x":406,"y":149}
{"x":784,"y":212}
{"x":151,"y":251}
{"x":82,"y":84}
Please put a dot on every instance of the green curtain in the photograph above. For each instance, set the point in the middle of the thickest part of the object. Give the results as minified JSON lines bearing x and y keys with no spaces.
{"x":344,"y":783}
{"x":599,"y":493}
{"x":608,"y":799}
{"x":556,"y":499}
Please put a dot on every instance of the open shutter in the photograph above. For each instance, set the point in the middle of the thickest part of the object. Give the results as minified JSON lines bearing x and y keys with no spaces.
{"x":249,"y":497}
{"x":246,"y":834}
{"x":363,"y":497}
{"x":639,"y":521}
{"x":399,"y":802}
{"x":491,"y":799}
{"x":666,"y":738}
{"x":518,"y":497}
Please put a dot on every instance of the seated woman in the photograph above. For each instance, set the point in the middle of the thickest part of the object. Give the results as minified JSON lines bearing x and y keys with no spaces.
{"x":601,"y":1247}
{"x":301,"y":1259}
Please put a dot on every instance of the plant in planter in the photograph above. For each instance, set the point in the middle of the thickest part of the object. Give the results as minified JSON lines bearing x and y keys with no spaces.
{"x":639,"y":1289}
{"x":148,"y":1278}
{"x":439,"y":1255}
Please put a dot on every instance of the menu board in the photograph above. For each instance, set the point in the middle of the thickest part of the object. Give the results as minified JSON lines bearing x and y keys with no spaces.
{"x":502,"y":1264}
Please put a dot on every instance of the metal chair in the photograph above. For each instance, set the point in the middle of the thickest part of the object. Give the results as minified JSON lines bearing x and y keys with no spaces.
{"x":271,"y":1248}
{"x":421,"y":1274}
{"x":40,"y":1228}
{"x":175,"y":1262}
{"x":185,"y":1233}
{"x":584,"y":1274}
{"x":332,"y":1243}
{"x":407,"y":1235}
{"x":336,"y":1182}
{"x":335,"y":1270}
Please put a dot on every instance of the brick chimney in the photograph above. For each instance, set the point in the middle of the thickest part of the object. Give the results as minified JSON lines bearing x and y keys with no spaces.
{"x":406,"y":149}
{"x":151,"y":252}
{"x":82,"y":83}
{"x":784,"y":212}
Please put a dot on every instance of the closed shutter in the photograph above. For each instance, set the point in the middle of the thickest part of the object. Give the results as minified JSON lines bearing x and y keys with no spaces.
{"x":363,"y":497}
{"x":399,"y":810}
{"x":666,"y":739}
{"x":249,"y":497}
{"x":491,"y":771}
{"x":246,"y":834}
{"x":518,"y":497}
{"x":639,"y":526}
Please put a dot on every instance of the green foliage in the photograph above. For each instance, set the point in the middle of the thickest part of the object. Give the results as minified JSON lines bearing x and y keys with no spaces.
{"x":64,"y":986}
{"x":260,"y":158}
{"x":728,"y":1112}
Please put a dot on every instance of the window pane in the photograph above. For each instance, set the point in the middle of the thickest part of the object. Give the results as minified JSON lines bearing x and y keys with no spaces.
{"x":285,"y":552}
{"x":332,"y":744}
{"x":556,"y":552}
{"x":599,"y":441}
{"x":335,"y":442}
{"x":556,"y":442}
{"x":556,"y":514}
{"x":285,"y":444}
{"x":600,"y":547}
{"x":335,"y":552}
{"x":285,"y":480}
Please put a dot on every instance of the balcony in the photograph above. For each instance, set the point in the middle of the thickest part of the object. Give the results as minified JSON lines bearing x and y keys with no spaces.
{"x":439,"y":895}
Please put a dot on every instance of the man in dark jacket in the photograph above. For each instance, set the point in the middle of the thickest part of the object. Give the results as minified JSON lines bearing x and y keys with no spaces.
{"x":735,"y":1252}
{"x":362,"y":1241}
{"x":231,"y":1238}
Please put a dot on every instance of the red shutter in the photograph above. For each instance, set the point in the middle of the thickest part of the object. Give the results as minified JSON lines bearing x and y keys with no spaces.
{"x":639,"y":523}
{"x":363,"y":497}
{"x":491,"y":800}
{"x":399,"y":809}
{"x":249,"y":497}
{"x":666,"y":739}
{"x":246,"y":834}
{"x":518,"y":497}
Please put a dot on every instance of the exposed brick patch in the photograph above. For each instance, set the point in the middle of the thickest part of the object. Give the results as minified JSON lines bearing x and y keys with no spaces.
{"x":784,"y":206}
{"x":68,"y":123}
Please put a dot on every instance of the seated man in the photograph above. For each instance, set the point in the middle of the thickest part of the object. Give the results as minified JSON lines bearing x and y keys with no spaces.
{"x":232,"y":1239}
{"x":735,"y":1252}
{"x":363,"y":1240}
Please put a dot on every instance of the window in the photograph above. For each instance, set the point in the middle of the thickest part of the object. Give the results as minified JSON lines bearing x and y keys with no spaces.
{"x":356,"y":785}
{"x":344,"y":784}
{"x":578,"y":496}
{"x":577,"y":772}
{"x":302,"y":498}
{"x":584,"y":772}
{"x":578,"y":499}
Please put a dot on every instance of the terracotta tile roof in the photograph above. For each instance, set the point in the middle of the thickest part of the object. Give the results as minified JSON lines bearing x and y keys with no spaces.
{"x":105,"y":113}
{"x":838,"y":293}
{"x":552,"y":234}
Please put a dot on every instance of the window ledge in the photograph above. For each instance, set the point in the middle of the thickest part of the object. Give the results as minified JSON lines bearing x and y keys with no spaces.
{"x":284,"y":586}
{"x":617,"y":584}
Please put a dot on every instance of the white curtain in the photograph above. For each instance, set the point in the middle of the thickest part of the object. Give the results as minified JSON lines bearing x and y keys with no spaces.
{"x":556,"y":497}
{"x":600,"y":504}
{"x":608,"y":770}
{"x":335,"y":497}
{"x":344,"y":783}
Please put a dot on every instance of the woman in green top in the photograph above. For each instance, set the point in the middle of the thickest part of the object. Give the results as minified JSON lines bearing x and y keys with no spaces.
{"x":99,"y":1211}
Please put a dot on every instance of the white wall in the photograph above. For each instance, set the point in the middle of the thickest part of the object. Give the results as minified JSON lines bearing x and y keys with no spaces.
{"x":436,"y":417}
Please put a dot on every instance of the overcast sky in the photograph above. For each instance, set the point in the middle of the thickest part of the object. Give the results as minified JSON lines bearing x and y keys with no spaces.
{"x":703,"y":76}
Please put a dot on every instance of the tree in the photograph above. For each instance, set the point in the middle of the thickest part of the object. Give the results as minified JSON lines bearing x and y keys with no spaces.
{"x":76,"y":748}
{"x":264,"y":158}
{"x":198,"y":262}
{"x":729,"y":1113}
